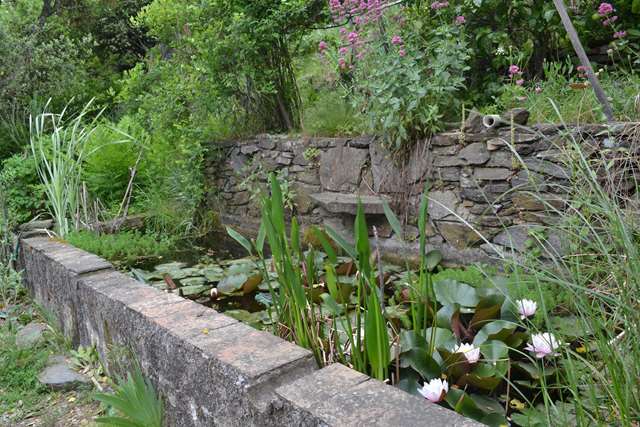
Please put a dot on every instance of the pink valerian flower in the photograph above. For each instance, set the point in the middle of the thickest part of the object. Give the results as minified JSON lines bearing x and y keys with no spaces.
{"x":460,"y":20}
{"x":514,"y":71}
{"x":538,"y":89}
{"x":402,"y":52}
{"x":610,"y":21}
{"x":342,"y":63}
{"x":343,"y":51}
{"x":396,"y":40}
{"x":605,"y":8}
{"x":543,"y":345}
{"x":437,"y":5}
{"x":435,"y":390}
{"x":520,"y":82}
{"x":353,"y":37}
{"x":619,"y":34}
{"x":322,"y":46}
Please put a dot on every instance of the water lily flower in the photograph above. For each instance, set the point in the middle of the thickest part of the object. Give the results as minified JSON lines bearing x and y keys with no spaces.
{"x":526,"y":307}
{"x":435,"y":390}
{"x":471,"y":352}
{"x":543,"y":345}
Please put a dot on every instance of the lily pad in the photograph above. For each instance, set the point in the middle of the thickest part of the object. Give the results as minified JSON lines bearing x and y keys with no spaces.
{"x":194,"y":291}
{"x":240,"y":282}
{"x":213,"y":273}
{"x":498,"y":330}
{"x":170,"y":266}
{"x":193,"y":281}
{"x":450,"y":291}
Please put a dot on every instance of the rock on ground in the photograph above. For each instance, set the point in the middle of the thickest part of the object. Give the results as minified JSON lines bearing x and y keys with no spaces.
{"x":58,"y":375}
{"x":31,"y":335}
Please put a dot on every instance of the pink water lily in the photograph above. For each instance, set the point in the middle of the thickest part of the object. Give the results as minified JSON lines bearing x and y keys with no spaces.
{"x":471,"y":352}
{"x":435,"y":390}
{"x":543,"y":345}
{"x":526,"y":307}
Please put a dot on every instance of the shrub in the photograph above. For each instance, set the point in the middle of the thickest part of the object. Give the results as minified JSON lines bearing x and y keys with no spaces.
{"x":23,"y":192}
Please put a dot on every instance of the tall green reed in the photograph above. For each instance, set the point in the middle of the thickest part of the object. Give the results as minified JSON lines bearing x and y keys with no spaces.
{"x":58,"y":144}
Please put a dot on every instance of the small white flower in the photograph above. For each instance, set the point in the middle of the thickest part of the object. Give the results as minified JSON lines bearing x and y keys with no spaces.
{"x":471,"y":352}
{"x":543,"y":345}
{"x":500,"y":51}
{"x":526,"y":308}
{"x":435,"y":390}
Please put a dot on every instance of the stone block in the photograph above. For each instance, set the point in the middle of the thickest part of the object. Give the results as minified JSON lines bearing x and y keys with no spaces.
{"x":492,"y":174}
{"x":387,"y":177}
{"x":475,"y":154}
{"x":341,"y":167}
{"x":442,"y":204}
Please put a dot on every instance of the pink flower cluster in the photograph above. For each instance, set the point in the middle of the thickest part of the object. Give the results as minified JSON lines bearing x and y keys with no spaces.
{"x":619,"y":34}
{"x":605,"y":8}
{"x":514,"y":71}
{"x":460,"y":20}
{"x":437,"y":5}
{"x":356,"y":18}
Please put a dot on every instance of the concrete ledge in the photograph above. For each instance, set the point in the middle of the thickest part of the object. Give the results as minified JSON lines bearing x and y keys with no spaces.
{"x":209,"y":368}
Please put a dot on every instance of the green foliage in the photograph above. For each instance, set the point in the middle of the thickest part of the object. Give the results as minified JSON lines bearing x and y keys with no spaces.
{"x":23,"y":192}
{"x":134,"y":403}
{"x":407,"y":97}
{"x":573,"y":98}
{"x":123,"y":248}
{"x":113,"y":152}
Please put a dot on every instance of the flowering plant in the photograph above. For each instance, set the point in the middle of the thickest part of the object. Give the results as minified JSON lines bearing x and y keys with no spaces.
{"x":481,"y":343}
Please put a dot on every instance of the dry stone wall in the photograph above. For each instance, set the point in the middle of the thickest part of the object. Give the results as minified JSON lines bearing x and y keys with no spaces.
{"x":485,"y":184}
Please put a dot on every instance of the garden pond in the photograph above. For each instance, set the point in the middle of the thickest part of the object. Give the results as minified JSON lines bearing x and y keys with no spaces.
{"x":478,"y":350}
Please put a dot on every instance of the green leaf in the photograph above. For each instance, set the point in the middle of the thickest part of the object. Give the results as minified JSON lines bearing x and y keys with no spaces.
{"x":432,"y":259}
{"x":393,"y":219}
{"x":488,"y":308}
{"x":347,"y":247}
{"x":498,"y":329}
{"x":420,"y":360}
{"x":494,"y":351}
{"x":331,"y":304}
{"x":240,"y":239}
{"x":449,"y":292}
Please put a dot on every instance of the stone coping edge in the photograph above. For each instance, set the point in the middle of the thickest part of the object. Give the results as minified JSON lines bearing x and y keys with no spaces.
{"x":209,"y":368}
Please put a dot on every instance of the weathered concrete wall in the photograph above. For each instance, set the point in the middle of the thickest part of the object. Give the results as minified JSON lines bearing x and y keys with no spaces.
{"x":481,"y":181}
{"x":210,"y":369}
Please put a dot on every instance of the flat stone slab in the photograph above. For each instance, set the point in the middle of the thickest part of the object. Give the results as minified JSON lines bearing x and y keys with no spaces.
{"x":31,"y":335}
{"x":340,"y":203}
{"x":343,"y":397}
{"x":58,"y":375}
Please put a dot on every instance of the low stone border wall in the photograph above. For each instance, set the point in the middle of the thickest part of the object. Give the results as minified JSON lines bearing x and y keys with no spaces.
{"x":209,"y":368}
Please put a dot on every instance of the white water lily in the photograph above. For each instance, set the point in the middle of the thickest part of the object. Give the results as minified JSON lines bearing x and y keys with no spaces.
{"x":435,"y":390}
{"x":543,"y":345}
{"x":470,"y":351}
{"x":526,"y":308}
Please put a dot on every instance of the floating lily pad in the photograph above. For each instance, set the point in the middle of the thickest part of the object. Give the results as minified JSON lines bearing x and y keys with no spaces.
{"x":194,"y":291}
{"x":193,"y":281}
{"x":242,"y":282}
{"x":213,"y":273}
{"x":171,"y":266}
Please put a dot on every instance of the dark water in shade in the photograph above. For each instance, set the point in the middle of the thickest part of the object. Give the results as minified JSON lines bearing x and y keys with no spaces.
{"x":216,"y":245}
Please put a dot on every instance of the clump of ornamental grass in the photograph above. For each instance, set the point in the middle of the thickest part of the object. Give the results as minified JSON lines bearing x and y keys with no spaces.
{"x":599,"y":266}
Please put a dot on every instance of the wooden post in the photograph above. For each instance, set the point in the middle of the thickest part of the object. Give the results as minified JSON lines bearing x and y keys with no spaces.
{"x":584,"y":60}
